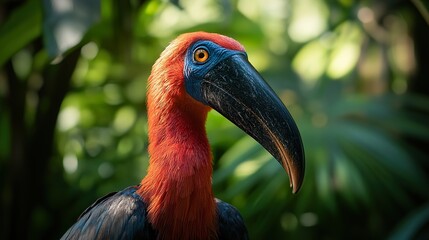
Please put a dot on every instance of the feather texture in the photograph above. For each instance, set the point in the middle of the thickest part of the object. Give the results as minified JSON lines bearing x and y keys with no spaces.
{"x":178,"y":183}
{"x":123,"y":215}
{"x":119,"y":215}
{"x":175,"y":199}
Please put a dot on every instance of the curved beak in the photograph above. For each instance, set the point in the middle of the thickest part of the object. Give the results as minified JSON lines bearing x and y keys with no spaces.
{"x":236,"y":90}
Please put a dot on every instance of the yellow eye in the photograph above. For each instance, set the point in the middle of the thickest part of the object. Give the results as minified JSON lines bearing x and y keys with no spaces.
{"x":201,"y":55}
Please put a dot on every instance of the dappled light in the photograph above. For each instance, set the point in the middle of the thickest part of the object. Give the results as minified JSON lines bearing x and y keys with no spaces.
{"x":89,"y":50}
{"x":124,"y":119}
{"x":334,"y":53}
{"x":70,"y":163}
{"x":353,"y":74}
{"x":311,"y":61}
{"x":68,"y":118}
{"x":66,"y":23}
{"x":308,"y":219}
{"x":250,"y":166}
{"x":309,"y":20}
{"x":345,"y":50}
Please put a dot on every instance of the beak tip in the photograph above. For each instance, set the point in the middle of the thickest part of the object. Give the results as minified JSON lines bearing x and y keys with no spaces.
{"x":296,"y":176}
{"x":296,"y":186}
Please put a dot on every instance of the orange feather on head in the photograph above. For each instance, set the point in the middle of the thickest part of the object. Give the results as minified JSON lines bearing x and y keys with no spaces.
{"x":177,"y":187}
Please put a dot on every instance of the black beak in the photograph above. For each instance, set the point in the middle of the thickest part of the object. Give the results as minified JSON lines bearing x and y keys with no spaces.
{"x":236,"y":90}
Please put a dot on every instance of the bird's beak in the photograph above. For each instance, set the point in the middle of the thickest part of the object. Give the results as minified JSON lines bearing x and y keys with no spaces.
{"x":236,"y":90}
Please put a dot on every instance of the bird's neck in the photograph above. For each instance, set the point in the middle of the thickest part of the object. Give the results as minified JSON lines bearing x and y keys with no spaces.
{"x":177,"y":186}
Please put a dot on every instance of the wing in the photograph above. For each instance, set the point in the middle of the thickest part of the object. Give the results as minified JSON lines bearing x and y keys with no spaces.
{"x":231,"y":224}
{"x":120,"y":215}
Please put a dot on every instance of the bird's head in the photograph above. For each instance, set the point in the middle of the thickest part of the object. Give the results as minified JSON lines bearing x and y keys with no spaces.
{"x":211,"y":71}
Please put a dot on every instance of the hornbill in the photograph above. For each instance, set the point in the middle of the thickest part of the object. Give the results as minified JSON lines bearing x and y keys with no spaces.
{"x":195,"y":73}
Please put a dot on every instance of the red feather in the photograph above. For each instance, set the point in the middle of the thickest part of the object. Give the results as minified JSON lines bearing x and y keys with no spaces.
{"x":178,"y":183}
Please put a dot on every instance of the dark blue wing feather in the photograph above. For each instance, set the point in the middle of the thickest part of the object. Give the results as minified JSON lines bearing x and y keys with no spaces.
{"x":123,"y":215}
{"x":120,"y":215}
{"x":231,"y":224}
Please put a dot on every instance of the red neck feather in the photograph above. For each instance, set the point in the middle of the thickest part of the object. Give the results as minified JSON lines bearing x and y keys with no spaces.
{"x":177,"y":187}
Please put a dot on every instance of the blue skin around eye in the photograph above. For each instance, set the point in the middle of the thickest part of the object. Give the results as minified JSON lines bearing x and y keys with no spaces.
{"x":194,"y":71}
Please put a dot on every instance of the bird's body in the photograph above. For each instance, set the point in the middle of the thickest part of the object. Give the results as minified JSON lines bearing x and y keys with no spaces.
{"x":175,"y":199}
{"x":119,"y":215}
{"x":123,"y":215}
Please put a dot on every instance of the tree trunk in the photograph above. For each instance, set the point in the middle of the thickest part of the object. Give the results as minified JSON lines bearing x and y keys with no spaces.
{"x":31,"y":149}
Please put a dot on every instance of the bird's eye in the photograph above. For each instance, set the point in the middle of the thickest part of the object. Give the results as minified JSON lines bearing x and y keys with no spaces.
{"x":201,"y":55}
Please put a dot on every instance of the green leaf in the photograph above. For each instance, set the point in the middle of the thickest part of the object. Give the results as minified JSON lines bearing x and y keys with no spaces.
{"x":22,"y":27}
{"x":66,"y":22}
{"x":388,"y":160}
{"x":243,"y":150}
{"x":410,"y":226}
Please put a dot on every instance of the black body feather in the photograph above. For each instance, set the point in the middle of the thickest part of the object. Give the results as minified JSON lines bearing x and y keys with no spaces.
{"x":123,"y":215}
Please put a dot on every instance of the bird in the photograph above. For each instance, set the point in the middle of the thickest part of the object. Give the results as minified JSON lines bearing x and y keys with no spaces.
{"x":197,"y":72}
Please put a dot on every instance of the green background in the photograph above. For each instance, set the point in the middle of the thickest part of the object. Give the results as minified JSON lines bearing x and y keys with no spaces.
{"x":354,"y":75}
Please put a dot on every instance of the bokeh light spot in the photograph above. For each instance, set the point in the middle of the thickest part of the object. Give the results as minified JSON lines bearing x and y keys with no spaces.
{"x":308,"y":219}
{"x":68,"y":118}
{"x":289,"y":221}
{"x":70,"y":163}
{"x":124,"y":119}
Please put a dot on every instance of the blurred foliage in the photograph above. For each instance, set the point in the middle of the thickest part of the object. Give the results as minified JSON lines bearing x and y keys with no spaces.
{"x":352,"y":73}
